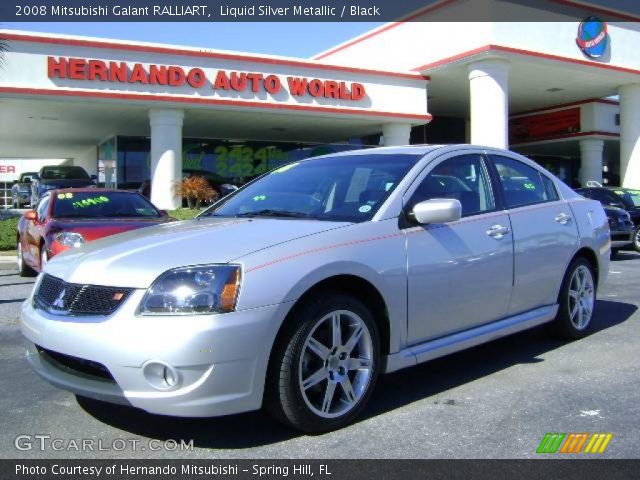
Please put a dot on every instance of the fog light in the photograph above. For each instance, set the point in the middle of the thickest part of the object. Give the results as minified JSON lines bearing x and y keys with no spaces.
{"x":160,"y":375}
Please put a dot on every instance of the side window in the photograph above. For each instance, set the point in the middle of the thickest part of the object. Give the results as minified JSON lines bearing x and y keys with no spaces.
{"x":464,"y":178}
{"x":552,"y":193}
{"x":43,"y":208}
{"x":522,"y":184}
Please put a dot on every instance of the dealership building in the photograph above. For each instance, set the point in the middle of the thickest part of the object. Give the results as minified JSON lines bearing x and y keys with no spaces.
{"x":565,"y":92}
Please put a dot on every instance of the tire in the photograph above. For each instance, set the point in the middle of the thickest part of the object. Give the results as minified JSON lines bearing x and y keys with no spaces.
{"x":636,"y":239}
{"x":577,"y":300}
{"x":24,"y":270}
{"x":317,"y":382}
{"x":615,"y":252}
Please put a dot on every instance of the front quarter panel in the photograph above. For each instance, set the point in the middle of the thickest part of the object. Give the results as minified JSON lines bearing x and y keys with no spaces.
{"x":374,"y":251}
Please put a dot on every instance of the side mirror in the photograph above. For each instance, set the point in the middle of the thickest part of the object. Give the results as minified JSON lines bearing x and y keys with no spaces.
{"x":31,"y":215}
{"x":164,"y":213}
{"x":437,"y":210}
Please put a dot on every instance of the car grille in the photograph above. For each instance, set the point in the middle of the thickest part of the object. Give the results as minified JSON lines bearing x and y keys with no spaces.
{"x":57,"y":296}
{"x":76,"y":365}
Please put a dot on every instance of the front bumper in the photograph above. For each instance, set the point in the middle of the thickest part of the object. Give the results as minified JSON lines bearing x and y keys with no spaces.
{"x":220,"y":361}
{"x":622,"y":238}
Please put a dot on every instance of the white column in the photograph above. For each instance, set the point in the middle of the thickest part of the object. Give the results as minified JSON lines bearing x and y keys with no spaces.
{"x":591,"y":161}
{"x":395,"y":134}
{"x":489,"y":98}
{"x":166,"y":157}
{"x":630,"y":135}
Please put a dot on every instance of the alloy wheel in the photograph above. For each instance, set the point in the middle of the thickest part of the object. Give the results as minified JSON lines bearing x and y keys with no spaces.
{"x":336,"y":364}
{"x":636,"y":239}
{"x":581,"y":297}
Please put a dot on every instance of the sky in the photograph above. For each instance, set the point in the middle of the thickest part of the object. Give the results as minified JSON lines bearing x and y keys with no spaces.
{"x":288,"y":39}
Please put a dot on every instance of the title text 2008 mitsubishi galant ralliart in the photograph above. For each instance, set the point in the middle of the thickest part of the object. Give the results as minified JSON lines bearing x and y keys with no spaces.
{"x":295,"y":292}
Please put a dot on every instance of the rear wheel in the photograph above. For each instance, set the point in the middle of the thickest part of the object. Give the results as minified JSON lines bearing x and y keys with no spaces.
{"x":23,"y":269}
{"x":577,"y":300}
{"x":324,"y":365}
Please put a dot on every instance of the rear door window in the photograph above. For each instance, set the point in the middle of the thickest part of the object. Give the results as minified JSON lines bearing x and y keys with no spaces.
{"x":522,"y":184}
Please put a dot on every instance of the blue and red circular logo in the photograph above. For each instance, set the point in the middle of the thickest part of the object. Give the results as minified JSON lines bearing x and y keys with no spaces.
{"x":592,"y":37}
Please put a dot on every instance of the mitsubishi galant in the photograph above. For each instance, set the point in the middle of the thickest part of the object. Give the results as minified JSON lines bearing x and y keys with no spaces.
{"x":294,"y":293}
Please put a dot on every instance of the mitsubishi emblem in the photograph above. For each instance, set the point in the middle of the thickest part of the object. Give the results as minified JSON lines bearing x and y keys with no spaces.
{"x":59,"y":302}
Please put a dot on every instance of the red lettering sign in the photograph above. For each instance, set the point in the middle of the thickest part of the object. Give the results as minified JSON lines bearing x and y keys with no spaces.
{"x":122,"y":72}
{"x":7,"y":169}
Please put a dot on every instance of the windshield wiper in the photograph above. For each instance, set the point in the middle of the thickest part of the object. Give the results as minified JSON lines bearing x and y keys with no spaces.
{"x":274,"y":213}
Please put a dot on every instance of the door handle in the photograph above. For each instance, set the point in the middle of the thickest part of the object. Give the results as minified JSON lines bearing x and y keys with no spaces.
{"x":497,"y":231}
{"x":563,"y":218}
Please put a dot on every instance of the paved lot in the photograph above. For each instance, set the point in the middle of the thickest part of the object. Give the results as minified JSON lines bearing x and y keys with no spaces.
{"x":495,"y":401}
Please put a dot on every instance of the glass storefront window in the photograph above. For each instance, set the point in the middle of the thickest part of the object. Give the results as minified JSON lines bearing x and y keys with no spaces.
{"x":219,"y":161}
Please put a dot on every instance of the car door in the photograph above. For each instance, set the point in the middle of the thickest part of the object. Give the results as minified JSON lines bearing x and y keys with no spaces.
{"x":545,"y":234}
{"x":460,"y":273}
{"x":35,"y":229}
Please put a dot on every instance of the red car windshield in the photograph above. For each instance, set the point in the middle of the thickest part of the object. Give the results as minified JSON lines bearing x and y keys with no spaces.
{"x":102,"y":204}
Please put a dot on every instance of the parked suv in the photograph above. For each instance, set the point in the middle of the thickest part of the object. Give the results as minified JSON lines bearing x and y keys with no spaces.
{"x":625,"y":198}
{"x":57,"y":177}
{"x":298,"y":290}
{"x":21,"y":189}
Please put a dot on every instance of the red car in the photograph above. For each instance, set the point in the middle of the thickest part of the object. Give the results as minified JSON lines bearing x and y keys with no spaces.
{"x":65,"y":219}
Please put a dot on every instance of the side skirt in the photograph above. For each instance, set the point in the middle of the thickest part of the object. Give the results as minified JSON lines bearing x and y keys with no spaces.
{"x":440,"y":347}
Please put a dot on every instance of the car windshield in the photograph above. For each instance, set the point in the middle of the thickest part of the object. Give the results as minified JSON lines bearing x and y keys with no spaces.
{"x":102,"y":204}
{"x":631,"y":198}
{"x":64,"y":173}
{"x":342,"y":188}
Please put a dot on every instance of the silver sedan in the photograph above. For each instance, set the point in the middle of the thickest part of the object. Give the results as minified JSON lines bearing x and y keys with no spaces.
{"x":295,"y":292}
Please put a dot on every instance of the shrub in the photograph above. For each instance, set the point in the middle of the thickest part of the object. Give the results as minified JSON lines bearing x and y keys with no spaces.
{"x":196,"y":190}
{"x":8,"y":229}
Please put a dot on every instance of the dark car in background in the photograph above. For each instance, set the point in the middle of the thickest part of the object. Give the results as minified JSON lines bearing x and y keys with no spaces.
{"x":69,"y":218}
{"x":60,"y":176}
{"x":21,"y":189}
{"x":622,"y":228}
{"x":627,"y":199}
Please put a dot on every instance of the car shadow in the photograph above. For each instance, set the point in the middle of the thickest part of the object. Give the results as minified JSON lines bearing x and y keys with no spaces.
{"x":393,"y":391}
{"x":625,"y":256}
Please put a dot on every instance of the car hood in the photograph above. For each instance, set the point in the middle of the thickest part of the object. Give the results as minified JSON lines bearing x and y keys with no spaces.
{"x":93,"y":229}
{"x":136,"y":258}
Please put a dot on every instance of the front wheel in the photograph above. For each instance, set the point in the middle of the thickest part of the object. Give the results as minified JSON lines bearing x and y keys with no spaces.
{"x":577,"y":300}
{"x":324,"y":365}
{"x":23,"y":269}
{"x":636,"y":239}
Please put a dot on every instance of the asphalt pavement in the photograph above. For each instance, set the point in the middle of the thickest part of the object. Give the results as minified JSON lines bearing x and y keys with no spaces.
{"x":494,"y":401}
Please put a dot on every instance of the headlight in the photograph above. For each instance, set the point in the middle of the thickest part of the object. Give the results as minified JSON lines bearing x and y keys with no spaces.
{"x":70,"y":239}
{"x":202,"y":289}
